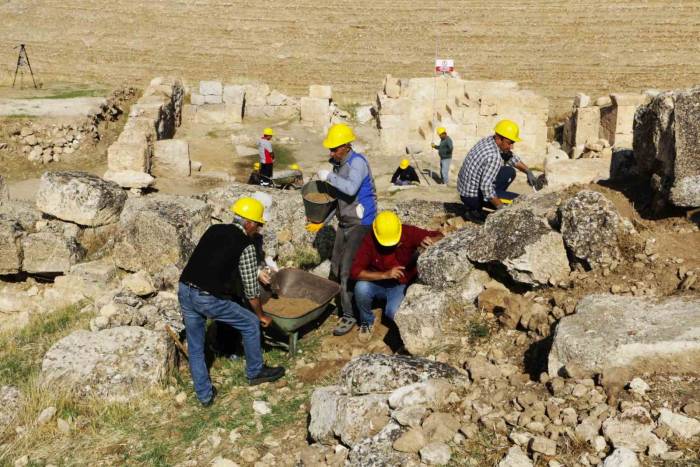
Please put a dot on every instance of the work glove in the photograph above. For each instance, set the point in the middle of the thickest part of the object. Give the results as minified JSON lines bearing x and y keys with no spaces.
{"x":323,"y":175}
{"x":313,"y":228}
{"x":531,"y":179}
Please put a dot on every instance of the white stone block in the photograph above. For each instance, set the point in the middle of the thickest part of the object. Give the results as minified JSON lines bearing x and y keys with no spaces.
{"x":211,"y":99}
{"x":128,"y":156}
{"x":197,"y":99}
{"x":392,"y":86}
{"x":219,"y":114}
{"x":234,"y":94}
{"x":390,"y":106}
{"x":315,"y":111}
{"x":171,"y":158}
{"x":210,"y":88}
{"x":129,"y":178}
{"x":321,"y":91}
{"x":256,"y":94}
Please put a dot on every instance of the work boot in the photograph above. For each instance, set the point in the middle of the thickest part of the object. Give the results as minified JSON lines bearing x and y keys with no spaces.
{"x":366,"y":331}
{"x":210,"y":401}
{"x":344,"y":326}
{"x":478,"y":217}
{"x":267,"y":374}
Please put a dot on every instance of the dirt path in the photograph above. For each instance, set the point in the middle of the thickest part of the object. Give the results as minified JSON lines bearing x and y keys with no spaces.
{"x":556,"y":48}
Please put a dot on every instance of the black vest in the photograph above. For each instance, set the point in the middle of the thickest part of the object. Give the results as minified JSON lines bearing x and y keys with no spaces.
{"x":213,"y":265}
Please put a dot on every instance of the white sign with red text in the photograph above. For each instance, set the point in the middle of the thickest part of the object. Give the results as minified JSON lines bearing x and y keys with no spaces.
{"x":444,"y":65}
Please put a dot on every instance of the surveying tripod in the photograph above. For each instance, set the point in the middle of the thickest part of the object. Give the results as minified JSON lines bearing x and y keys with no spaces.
{"x":22,"y":60}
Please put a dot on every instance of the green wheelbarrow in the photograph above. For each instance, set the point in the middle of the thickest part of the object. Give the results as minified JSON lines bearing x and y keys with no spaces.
{"x":295,"y":283}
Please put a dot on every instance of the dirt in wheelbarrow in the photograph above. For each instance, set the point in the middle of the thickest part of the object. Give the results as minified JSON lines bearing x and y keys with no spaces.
{"x":288,"y":307}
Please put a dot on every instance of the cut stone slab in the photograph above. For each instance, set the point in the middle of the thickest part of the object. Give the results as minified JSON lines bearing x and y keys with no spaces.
{"x":158,"y":231}
{"x":49,"y":253}
{"x":431,"y":393}
{"x":210,"y":88}
{"x":129,"y":178}
{"x":80,"y":197}
{"x":171,"y":158}
{"x":315,"y":111}
{"x":134,"y":156}
{"x":609,"y":331}
{"x":234,"y":94}
{"x":116,"y":364}
{"x":566,"y":172}
{"x":321,"y":92}
{"x":378,"y":373}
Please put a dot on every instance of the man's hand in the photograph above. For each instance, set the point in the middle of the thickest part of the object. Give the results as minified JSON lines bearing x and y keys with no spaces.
{"x":264,"y":276}
{"x":323,"y":175}
{"x":395,"y":273}
{"x":531,"y":179}
{"x":427,"y":241}
{"x":264,"y":320}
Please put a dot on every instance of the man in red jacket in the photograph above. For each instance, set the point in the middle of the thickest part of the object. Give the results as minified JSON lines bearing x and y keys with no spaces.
{"x":385,"y":264}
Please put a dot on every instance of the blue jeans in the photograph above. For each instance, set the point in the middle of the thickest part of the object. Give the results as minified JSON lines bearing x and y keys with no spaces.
{"x":197,"y":306}
{"x":445,"y":169}
{"x":367,"y":291}
{"x":505,"y":177}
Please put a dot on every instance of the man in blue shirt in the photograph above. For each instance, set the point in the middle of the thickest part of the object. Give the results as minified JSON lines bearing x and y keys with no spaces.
{"x":357,"y":207}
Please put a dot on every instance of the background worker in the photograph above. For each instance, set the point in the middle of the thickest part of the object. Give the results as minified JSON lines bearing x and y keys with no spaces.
{"x":254,"y":178}
{"x":219,"y":280}
{"x":357,"y":207}
{"x":489,"y":169}
{"x":384,"y":265}
{"x":267,"y":156}
{"x":405,"y":174}
{"x":444,"y":149}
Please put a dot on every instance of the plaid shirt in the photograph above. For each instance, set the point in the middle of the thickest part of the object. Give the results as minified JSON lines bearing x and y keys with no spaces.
{"x":480,"y":168}
{"x":248,"y":268}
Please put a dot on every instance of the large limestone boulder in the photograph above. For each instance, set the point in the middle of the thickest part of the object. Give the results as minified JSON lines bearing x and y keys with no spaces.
{"x":50,"y":253}
{"x":609,"y":332}
{"x":10,"y":247}
{"x":423,"y":318}
{"x":171,"y":158}
{"x":521,"y":242}
{"x":666,"y":138}
{"x":334,"y":415}
{"x":159,"y":231}
{"x":22,"y":212}
{"x":115,"y":364}
{"x":591,"y":227}
{"x":377,"y":373}
{"x":446,"y":264}
{"x":80,"y":197}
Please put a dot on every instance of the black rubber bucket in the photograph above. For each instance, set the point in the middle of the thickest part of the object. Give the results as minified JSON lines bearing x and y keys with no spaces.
{"x":317,"y":212}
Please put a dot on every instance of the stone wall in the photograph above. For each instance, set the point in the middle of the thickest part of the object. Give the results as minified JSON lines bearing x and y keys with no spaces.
{"x":410,"y":111}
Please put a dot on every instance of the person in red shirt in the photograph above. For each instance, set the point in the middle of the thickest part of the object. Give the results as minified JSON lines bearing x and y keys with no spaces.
{"x":385,"y":264}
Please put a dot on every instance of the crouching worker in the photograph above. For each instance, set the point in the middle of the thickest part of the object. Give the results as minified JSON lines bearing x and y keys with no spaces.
{"x":385,"y":264}
{"x":219,"y":281}
{"x":255,"y":178}
{"x":405,"y":174}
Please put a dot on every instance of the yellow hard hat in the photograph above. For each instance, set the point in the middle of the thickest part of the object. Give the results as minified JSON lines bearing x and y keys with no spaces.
{"x":508,"y":129}
{"x":404,"y":164}
{"x":338,"y":135}
{"x":249,"y":208}
{"x":268,"y":132}
{"x":387,"y":228}
{"x":441,"y":130}
{"x":256,"y":166}
{"x":294,"y":167}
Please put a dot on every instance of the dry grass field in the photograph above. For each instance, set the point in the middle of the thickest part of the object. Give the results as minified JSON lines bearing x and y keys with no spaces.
{"x":554,"y":47}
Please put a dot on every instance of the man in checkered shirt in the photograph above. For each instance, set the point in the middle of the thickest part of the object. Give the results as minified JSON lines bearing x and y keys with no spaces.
{"x":489,"y":169}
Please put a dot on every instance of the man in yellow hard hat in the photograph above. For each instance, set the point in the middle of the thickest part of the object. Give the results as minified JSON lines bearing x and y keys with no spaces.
{"x":357,"y":207}
{"x":254,"y":178}
{"x":220,"y":279}
{"x":444,"y":150}
{"x":489,"y":169}
{"x":385,"y":264}
{"x":405,"y":174}
{"x":266,"y":155}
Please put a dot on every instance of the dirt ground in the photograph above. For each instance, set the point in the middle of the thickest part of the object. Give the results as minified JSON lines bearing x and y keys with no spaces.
{"x":556,"y":48}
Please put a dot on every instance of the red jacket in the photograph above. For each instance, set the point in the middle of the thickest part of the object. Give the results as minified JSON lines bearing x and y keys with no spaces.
{"x":371,"y":256}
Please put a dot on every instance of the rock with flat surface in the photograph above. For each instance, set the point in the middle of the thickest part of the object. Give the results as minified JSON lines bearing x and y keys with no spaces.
{"x":130,"y":178}
{"x":171,"y":158}
{"x":422,"y":318}
{"x":377,"y":451}
{"x":515,"y":457}
{"x":521,"y":242}
{"x":632,"y":429}
{"x":158,"y":231}
{"x":436,"y":454}
{"x":80,"y":197}
{"x":116,"y":364}
{"x":621,"y":457}
{"x":378,"y":373}
{"x":566,"y":172}
{"x":592,"y":227}
{"x":10,"y":247}
{"x":682,"y":426}
{"x":49,"y":253}
{"x":445,"y":264}
{"x":609,"y":331}
{"x":432,"y":393}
